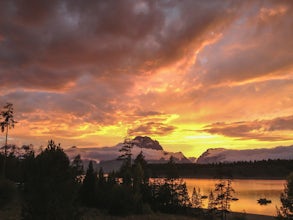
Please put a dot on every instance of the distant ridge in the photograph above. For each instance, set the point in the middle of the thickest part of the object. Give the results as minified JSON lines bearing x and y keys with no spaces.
{"x":222,"y":155}
{"x":106,"y":156}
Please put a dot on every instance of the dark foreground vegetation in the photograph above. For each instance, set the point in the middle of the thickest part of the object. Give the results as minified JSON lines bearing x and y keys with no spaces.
{"x":266,"y":169}
{"x":51,"y":187}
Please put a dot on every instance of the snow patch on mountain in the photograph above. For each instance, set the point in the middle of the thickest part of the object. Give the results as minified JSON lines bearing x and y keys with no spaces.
{"x":151,"y":149}
{"x":222,"y":155}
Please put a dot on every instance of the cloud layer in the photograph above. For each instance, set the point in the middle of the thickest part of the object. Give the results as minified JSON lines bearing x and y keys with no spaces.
{"x":88,"y":73}
{"x":268,"y":130}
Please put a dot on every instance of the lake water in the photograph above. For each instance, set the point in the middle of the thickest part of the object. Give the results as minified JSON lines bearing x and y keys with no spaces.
{"x":247,"y":191}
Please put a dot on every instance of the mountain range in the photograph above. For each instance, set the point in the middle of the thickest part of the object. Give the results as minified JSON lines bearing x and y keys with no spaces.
{"x":154,"y":153}
{"x":222,"y":155}
{"x":107,"y":156}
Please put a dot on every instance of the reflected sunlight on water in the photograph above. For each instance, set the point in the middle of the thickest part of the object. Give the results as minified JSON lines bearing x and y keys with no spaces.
{"x":247,"y":191}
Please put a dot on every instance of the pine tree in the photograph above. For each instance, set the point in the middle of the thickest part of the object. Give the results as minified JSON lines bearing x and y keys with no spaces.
{"x":211,"y":201}
{"x":126,"y":152}
{"x":224,"y":195}
{"x":286,"y":210}
{"x":7,"y":123}
{"x":77,"y":167}
{"x":50,"y":188}
{"x":125,"y":156}
{"x":184,"y":200}
{"x":101,"y":178}
{"x":196,"y":199}
{"x":88,"y":188}
{"x":172,"y":171}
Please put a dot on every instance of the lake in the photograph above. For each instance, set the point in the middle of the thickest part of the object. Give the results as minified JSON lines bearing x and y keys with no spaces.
{"x":248,"y":191}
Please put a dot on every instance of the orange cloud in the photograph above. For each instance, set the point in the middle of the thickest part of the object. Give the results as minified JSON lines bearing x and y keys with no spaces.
{"x":87,"y":73}
{"x":263,"y":130}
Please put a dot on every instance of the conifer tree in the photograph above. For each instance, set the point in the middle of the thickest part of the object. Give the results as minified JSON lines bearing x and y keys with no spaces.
{"x":286,"y":210}
{"x":101,"y":178}
{"x":211,"y":201}
{"x":224,"y":195}
{"x":125,"y":156}
{"x":184,"y":200}
{"x":50,"y":188}
{"x":140,"y":161}
{"x":126,"y":152}
{"x":7,"y":122}
{"x":196,"y":199}
{"x":77,"y":167}
{"x":88,"y":188}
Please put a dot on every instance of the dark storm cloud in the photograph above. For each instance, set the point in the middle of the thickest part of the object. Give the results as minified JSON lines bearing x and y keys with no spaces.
{"x":47,"y":44}
{"x":28,"y":102}
{"x":82,"y":58}
{"x":262,"y":130}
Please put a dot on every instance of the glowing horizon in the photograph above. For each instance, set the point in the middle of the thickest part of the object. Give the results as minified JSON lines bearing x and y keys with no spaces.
{"x":191,"y":74}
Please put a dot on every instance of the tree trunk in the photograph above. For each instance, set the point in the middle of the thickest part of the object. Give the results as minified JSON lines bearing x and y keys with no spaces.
{"x":5,"y":154}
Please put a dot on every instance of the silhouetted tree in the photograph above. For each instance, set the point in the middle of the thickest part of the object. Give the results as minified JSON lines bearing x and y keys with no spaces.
{"x":77,"y":167}
{"x":111,"y":180}
{"x":140,"y":160}
{"x":138,"y":176}
{"x":140,"y":173}
{"x":224,"y":194}
{"x":126,"y":151}
{"x":125,"y":156}
{"x":172,"y":170}
{"x":211,"y":202}
{"x":50,"y":191}
{"x":88,"y":188}
{"x":121,"y":200}
{"x":27,"y":162}
{"x":170,"y":195}
{"x":183,"y":197}
{"x":102,"y":190}
{"x":7,"y":122}
{"x":286,"y":210}
{"x":196,"y":199}
{"x":141,"y":187}
{"x":12,"y":164}
{"x":101,"y":178}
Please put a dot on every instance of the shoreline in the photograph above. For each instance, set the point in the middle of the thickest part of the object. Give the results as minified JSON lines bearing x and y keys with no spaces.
{"x":232,"y":178}
{"x":224,"y":177}
{"x":249,"y":216}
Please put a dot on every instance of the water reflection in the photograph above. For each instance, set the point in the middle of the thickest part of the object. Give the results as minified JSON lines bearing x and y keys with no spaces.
{"x":248,"y":192}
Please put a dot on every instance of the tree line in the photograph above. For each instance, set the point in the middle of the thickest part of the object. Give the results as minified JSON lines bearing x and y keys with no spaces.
{"x":279,"y":169}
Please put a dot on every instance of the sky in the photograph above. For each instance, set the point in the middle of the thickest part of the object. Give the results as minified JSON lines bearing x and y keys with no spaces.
{"x":191,"y":74}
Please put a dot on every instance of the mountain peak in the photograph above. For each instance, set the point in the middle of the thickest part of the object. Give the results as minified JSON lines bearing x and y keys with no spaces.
{"x":147,"y":142}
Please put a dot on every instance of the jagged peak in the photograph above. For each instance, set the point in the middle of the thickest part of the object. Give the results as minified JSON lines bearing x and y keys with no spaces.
{"x":147,"y":142}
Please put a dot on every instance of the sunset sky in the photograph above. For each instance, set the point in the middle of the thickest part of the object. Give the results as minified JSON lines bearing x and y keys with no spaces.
{"x":190,"y":74}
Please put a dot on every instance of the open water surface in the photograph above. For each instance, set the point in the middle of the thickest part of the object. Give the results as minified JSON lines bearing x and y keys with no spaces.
{"x":248,"y":191}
